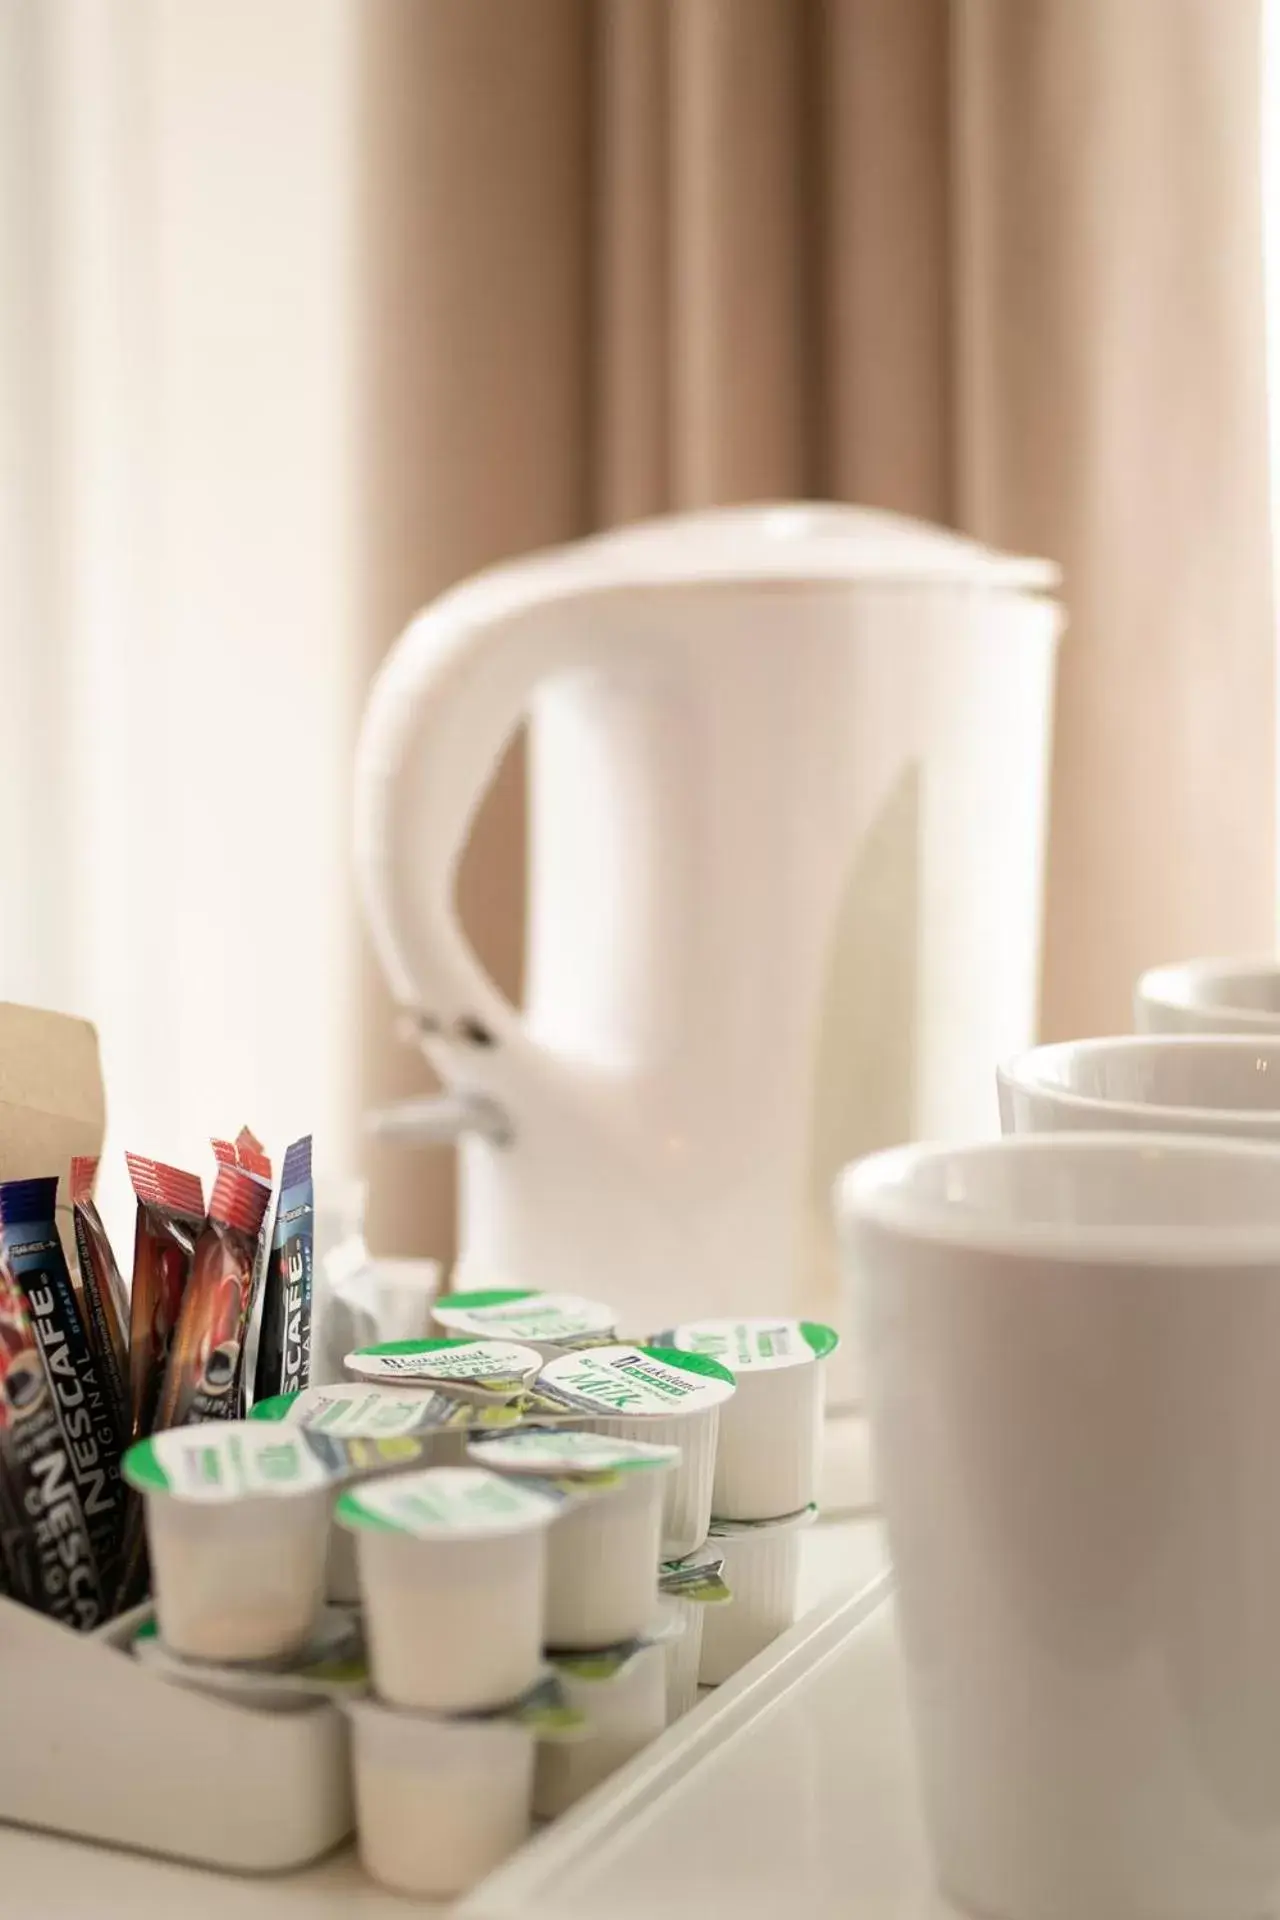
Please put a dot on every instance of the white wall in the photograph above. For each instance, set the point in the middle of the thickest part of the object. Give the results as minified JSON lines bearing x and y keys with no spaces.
{"x":176,"y":547}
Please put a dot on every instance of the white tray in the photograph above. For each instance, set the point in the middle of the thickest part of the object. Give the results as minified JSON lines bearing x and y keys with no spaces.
{"x":787,"y":1790}
{"x":95,"y":1745}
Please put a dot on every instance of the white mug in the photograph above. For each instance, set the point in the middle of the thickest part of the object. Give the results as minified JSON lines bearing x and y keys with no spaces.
{"x":1209,"y":996}
{"x":1168,"y":1083}
{"x":1072,"y":1349}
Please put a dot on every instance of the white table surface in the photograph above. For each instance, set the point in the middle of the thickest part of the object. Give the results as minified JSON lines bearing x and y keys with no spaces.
{"x":818,"y":1818}
{"x":804,"y":1807}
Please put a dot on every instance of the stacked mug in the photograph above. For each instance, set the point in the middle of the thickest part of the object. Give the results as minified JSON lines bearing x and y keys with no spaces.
{"x":1073,"y":1349}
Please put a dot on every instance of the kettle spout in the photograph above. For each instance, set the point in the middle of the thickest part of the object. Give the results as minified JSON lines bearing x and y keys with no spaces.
{"x":440,"y":1120}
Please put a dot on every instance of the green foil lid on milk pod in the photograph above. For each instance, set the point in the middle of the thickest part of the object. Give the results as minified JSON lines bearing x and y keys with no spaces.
{"x":555,"y":1453}
{"x":217,"y":1461}
{"x":464,"y":1368}
{"x":745,"y":1345}
{"x":767,"y":1463}
{"x":222,"y":1461}
{"x":641,"y":1383}
{"x":464,"y":1503}
{"x":554,"y":1323}
{"x":368,"y":1411}
{"x":652,"y":1394}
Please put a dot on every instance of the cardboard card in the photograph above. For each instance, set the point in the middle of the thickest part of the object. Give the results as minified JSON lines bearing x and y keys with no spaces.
{"x":51,"y":1099}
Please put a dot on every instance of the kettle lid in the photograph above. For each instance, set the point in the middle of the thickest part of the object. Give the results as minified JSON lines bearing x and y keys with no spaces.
{"x":805,"y":541}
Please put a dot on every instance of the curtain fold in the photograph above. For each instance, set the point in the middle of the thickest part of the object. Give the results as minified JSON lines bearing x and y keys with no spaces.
{"x":996,"y":263}
{"x":1112,"y":412}
{"x":318,"y":307}
{"x":740,"y":227}
{"x":631,"y":284}
{"x":885,"y":376}
{"x":474,"y":133}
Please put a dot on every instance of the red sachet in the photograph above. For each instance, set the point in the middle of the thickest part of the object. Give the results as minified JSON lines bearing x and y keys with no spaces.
{"x":248,"y":1152}
{"x":170,"y":1216}
{"x":205,"y":1365}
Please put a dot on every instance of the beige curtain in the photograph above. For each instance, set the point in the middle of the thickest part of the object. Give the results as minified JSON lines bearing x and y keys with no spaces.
{"x":996,"y":263}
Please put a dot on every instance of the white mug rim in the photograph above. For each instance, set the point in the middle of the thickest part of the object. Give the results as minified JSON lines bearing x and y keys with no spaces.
{"x":1019,"y":1075}
{"x":871,"y":1193}
{"x":1172,"y":986}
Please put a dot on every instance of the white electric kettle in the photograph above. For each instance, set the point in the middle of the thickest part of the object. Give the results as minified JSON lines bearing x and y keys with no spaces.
{"x":787,"y":783}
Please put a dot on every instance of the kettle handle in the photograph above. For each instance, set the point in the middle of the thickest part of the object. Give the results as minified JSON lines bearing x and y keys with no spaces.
{"x":441,"y":709}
